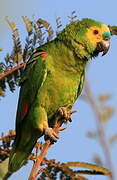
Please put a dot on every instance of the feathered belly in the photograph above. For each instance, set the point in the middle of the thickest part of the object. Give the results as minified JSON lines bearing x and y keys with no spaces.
{"x":56,"y":94}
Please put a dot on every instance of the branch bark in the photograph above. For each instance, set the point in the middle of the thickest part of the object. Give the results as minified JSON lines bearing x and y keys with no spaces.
{"x":12,"y":70}
{"x":34,"y":172}
{"x":38,"y":161}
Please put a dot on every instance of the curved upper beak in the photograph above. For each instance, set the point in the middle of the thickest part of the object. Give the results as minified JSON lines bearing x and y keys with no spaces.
{"x":104,"y":45}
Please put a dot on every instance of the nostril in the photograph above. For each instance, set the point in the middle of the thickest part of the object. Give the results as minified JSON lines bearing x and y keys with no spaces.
{"x":107,"y":39}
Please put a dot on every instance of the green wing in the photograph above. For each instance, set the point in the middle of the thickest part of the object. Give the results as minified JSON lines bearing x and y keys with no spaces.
{"x":33,"y":78}
{"x":80,"y":87}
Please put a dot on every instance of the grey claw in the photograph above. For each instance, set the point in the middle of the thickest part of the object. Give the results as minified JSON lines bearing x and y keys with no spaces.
{"x":65,"y":114}
{"x":52,"y":134}
{"x":62,"y":129}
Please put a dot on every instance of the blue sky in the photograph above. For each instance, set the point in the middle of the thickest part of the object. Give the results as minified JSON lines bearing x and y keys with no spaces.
{"x":73,"y":144}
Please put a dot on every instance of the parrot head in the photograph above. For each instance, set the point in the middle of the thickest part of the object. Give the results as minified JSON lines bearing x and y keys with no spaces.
{"x":87,"y":38}
{"x":99,"y":37}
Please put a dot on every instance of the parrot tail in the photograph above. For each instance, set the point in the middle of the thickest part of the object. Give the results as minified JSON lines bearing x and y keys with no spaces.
{"x":7,"y":176}
{"x":19,"y":155}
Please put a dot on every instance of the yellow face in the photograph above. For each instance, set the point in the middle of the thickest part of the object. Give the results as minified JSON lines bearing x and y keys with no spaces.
{"x":95,"y":34}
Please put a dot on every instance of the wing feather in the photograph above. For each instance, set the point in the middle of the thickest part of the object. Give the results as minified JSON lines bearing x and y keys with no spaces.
{"x":33,"y":78}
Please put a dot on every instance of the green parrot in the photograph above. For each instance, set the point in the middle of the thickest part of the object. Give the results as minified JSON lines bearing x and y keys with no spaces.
{"x":54,"y":78}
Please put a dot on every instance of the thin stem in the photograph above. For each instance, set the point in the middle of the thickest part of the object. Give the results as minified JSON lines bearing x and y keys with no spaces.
{"x":12,"y":70}
{"x":38,"y":161}
{"x":34,"y":172}
{"x":100,"y":129}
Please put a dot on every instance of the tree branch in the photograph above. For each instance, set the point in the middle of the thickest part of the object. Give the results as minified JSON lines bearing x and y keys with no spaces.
{"x":38,"y":161}
{"x":12,"y":70}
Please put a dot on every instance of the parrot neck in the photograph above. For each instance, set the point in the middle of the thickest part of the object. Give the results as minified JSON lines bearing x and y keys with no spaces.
{"x":80,"y":50}
{"x":66,"y":57}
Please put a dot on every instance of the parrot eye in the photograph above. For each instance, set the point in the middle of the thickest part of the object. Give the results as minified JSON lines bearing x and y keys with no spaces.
{"x":95,"y":31}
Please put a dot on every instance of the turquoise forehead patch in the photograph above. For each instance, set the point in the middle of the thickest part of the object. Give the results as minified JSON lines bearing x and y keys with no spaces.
{"x":106,"y":34}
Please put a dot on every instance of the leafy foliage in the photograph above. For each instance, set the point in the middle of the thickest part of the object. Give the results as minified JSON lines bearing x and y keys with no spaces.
{"x":39,"y":32}
{"x":56,"y":170}
{"x":6,"y":144}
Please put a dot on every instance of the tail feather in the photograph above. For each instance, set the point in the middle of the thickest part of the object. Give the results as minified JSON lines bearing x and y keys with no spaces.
{"x":17,"y":160}
{"x":19,"y":156}
{"x":7,"y":176}
{"x":22,"y":148}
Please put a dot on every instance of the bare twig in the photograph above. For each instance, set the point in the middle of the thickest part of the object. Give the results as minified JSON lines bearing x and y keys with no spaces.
{"x":94,"y":169}
{"x":38,"y":161}
{"x":100,"y":129}
{"x":12,"y":70}
{"x":5,"y":150}
{"x":113,"y":30}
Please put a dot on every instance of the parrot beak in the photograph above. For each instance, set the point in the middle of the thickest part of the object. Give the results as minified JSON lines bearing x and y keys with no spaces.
{"x":104,"y":45}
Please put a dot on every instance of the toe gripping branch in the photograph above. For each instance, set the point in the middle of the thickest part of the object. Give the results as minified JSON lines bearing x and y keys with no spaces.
{"x":63,"y":115}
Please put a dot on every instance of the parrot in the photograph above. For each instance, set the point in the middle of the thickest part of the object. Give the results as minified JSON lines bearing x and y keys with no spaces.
{"x":53,"y":78}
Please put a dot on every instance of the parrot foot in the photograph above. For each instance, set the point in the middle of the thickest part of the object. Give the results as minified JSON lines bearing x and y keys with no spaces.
{"x":65,"y":113}
{"x":49,"y":132}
